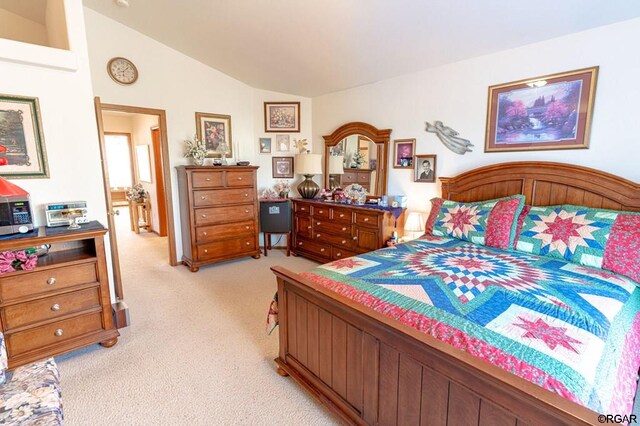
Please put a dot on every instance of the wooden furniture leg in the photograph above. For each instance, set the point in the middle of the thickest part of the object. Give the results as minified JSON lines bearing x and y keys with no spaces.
{"x":288,"y":244}
{"x":131,"y":214}
{"x":267,"y":243}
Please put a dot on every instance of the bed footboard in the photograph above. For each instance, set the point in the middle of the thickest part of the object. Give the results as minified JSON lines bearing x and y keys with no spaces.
{"x":367,"y":369}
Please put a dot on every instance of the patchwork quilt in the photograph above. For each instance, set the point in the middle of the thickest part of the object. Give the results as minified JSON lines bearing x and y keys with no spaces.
{"x":568,"y":328}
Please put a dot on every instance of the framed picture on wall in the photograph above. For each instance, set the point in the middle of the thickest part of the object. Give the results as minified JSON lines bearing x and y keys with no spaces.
{"x":541,"y":113}
{"x":22,"y":149}
{"x":403,"y":150}
{"x":424,"y":168}
{"x":282,"y":117}
{"x":282,"y":167}
{"x":265,"y":145}
{"x":214,"y":130}
{"x":283,"y":143}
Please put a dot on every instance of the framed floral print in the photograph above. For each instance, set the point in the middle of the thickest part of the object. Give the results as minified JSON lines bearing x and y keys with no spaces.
{"x":282,"y":117}
{"x":541,"y":113}
{"x":403,"y":150}
{"x":22,"y":149}
{"x":215,"y":131}
{"x":282,"y":167}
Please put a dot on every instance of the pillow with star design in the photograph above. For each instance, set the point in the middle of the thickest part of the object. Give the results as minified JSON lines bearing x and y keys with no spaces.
{"x":598,"y":238}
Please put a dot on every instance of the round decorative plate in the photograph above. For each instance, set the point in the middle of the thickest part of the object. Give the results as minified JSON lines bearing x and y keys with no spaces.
{"x":122,"y":71}
{"x":356,"y":191}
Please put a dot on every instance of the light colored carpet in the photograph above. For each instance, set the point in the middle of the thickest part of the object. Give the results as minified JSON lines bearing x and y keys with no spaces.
{"x":196,"y":352}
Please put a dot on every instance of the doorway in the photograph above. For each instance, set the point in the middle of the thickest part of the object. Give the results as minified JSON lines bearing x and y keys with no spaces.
{"x":142,"y":133}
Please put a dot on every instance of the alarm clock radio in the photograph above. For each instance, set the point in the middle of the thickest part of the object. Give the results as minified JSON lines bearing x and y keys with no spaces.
{"x":60,"y":214}
{"x":15,"y":209}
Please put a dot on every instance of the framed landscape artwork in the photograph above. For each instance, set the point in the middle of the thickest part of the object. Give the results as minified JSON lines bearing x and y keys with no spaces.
{"x":214,"y":129}
{"x":282,"y":167}
{"x":403,"y":150}
{"x":265,"y":145}
{"x":550,"y":112}
{"x":282,"y":117}
{"x":22,"y":149}
{"x":424,"y":169}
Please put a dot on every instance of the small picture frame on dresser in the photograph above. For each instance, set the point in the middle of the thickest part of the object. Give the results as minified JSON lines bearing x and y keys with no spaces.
{"x":282,"y":167}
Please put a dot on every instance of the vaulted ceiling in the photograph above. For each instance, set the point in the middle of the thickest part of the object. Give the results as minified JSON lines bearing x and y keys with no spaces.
{"x":313,"y":47}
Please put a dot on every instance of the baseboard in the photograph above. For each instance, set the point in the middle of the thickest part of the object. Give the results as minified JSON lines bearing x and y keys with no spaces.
{"x":121,"y":314}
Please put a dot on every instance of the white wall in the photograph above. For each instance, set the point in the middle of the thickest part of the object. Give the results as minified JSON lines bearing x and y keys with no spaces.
{"x":182,"y":86}
{"x":457,"y":95}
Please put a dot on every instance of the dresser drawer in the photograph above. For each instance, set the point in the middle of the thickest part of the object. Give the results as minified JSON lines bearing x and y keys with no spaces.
{"x":58,"y":332}
{"x":206,"y":179}
{"x":215,"y":215}
{"x":38,"y":282}
{"x":341,"y":214}
{"x":367,"y":239}
{"x":333,"y":227}
{"x":316,"y":248}
{"x":340,"y":253}
{"x":348,"y":178}
{"x":345,"y":241}
{"x":302,"y":208}
{"x":206,"y":234}
{"x":227,"y":247}
{"x":223,"y":196}
{"x":51,"y":307}
{"x":366,"y":219}
{"x":239,"y":178}
{"x":303,"y":226}
{"x":320,"y":211}
{"x":363,"y":178}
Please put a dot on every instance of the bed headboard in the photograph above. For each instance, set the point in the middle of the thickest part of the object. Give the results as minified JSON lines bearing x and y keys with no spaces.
{"x":544,"y":184}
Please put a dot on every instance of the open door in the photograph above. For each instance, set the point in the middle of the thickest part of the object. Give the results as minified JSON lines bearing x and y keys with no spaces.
{"x":120,"y":308}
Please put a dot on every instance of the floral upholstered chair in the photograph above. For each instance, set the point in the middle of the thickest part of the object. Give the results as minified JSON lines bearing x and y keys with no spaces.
{"x":32,"y":395}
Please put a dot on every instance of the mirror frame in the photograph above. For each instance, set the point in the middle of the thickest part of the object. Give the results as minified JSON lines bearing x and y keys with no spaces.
{"x":380,"y":137}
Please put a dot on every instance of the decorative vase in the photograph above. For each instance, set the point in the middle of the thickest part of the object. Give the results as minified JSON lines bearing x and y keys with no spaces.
{"x":197,"y":161}
{"x":308,"y":188}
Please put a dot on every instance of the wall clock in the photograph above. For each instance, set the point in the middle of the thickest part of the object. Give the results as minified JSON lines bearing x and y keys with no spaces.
{"x":122,"y":71}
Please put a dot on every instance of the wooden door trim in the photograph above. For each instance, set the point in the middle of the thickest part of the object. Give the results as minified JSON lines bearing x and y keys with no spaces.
{"x":164,"y":142}
{"x":158,"y":161}
{"x":134,"y":168}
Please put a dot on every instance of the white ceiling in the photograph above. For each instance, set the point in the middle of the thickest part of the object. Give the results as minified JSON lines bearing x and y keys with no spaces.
{"x":313,"y":47}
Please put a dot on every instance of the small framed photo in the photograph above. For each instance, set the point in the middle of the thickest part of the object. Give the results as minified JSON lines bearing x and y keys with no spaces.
{"x":282,"y":167}
{"x":22,"y":149}
{"x":214,"y":129}
{"x":424,"y":169}
{"x":282,"y":117}
{"x":403,"y":151}
{"x":265,"y":145}
{"x":283,"y":143}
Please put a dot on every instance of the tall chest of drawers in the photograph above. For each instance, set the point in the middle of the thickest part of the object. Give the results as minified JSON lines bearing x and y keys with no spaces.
{"x":63,"y":304}
{"x":218,"y":213}
{"x":325,"y":232}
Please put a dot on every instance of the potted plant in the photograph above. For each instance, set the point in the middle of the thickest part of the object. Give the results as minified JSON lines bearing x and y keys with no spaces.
{"x":137,"y":193}
{"x":196,"y":150}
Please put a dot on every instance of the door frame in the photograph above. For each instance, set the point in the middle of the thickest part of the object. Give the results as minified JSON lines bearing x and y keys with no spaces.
{"x":166,"y":171}
{"x":158,"y":161}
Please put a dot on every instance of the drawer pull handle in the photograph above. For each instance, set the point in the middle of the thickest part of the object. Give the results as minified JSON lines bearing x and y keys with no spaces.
{"x":309,"y":227}
{"x":51,"y":281}
{"x":321,"y":250}
{"x":55,"y":307}
{"x":246,"y":195}
{"x":247,"y":227}
{"x":59,"y":332}
{"x":239,"y":178}
{"x":341,"y":214}
{"x":317,"y":235}
{"x":203,"y":198}
{"x":344,"y":241}
{"x":355,"y":238}
{"x":208,"y":179}
{"x":246,"y":211}
{"x":317,"y":223}
{"x":204,"y":215}
{"x":206,"y":251}
{"x":344,"y":229}
{"x":320,"y":211}
{"x":303,"y":208}
{"x":338,"y":254}
{"x":248,"y":243}
{"x":204,"y":234}
{"x":366,"y":219}
{"x":300,"y":243}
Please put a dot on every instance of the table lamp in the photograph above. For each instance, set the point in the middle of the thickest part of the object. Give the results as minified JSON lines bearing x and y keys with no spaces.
{"x":308,"y":165}
{"x":414,"y":225}
{"x":336,"y":167}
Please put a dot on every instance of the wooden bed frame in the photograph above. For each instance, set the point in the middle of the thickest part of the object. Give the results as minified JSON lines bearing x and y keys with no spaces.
{"x":367,"y":368}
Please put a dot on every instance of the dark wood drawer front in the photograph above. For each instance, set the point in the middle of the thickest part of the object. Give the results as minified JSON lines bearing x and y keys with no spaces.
{"x":223,"y":196}
{"x":206,"y":234}
{"x":302,"y":208}
{"x":239,"y":178}
{"x":348,"y":178}
{"x":345,"y":241}
{"x":227,"y":247}
{"x":336,"y":228}
{"x":215,"y":215}
{"x":38,"y":337}
{"x":37,"y":282}
{"x":343,"y":215}
{"x":51,"y":307}
{"x":303,"y":226}
{"x":206,"y":179}
{"x":367,"y":239}
{"x":363,"y":178}
{"x":340,"y":253}
{"x":319,"y":249}
{"x":367,"y":219}
{"x":320,"y":212}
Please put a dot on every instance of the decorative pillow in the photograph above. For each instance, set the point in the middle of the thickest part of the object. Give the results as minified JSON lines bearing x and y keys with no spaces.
{"x":490,"y":223}
{"x":599,"y":238}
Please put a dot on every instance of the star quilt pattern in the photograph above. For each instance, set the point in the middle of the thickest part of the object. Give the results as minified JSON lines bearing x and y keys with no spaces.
{"x":571,"y":329}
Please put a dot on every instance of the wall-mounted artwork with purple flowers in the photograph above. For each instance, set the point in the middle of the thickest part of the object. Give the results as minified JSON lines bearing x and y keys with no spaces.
{"x":550,"y":112}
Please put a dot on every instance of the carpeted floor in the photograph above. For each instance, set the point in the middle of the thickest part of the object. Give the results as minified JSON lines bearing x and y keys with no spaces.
{"x":196,"y":352}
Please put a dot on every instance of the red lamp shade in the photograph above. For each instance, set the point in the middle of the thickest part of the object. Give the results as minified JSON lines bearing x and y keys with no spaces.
{"x":8,"y":189}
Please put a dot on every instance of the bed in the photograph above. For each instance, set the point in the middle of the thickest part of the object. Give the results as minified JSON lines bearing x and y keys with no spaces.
{"x":369,"y":368}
